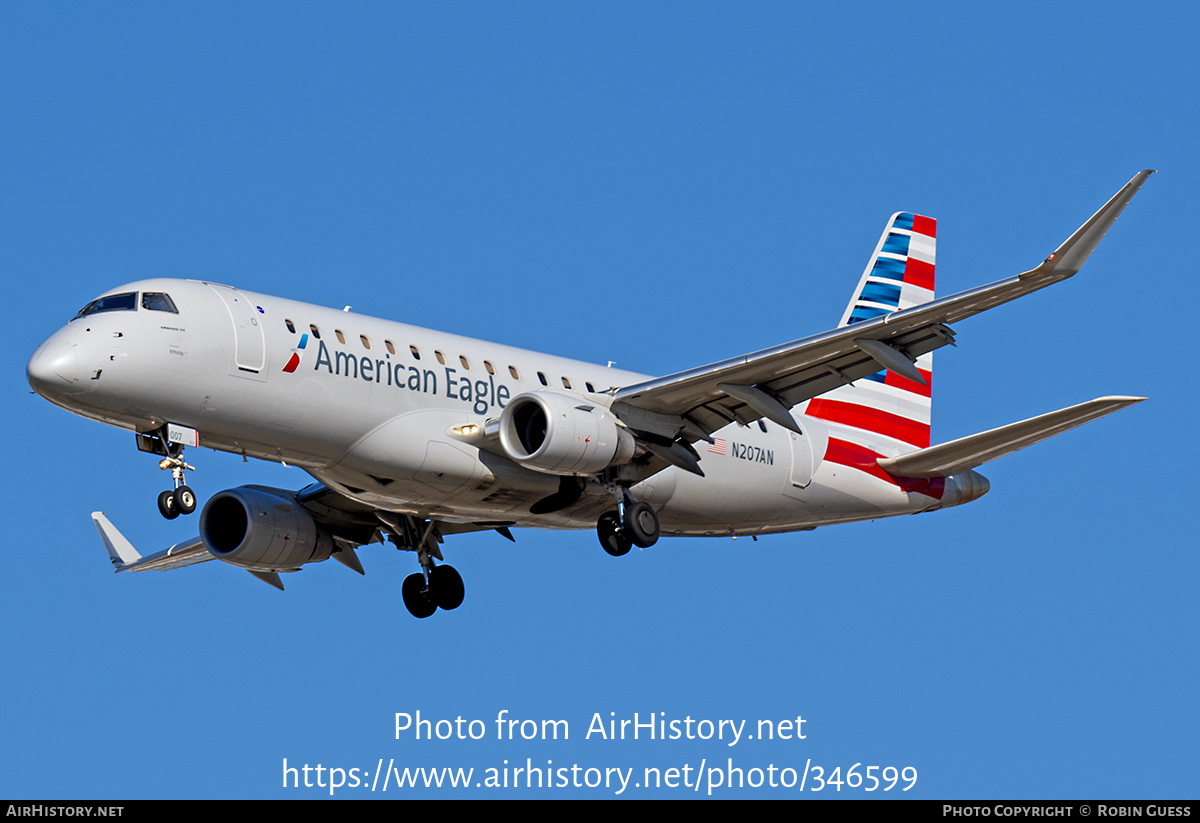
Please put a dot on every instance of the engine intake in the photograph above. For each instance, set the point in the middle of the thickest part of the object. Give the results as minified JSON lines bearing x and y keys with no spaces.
{"x":558,"y":434}
{"x":259,"y":529}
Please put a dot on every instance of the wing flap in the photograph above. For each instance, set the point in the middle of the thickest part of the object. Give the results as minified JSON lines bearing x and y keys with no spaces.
{"x":974,"y":450}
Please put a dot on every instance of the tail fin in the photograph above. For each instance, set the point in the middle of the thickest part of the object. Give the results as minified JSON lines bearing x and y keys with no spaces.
{"x":900,"y":274}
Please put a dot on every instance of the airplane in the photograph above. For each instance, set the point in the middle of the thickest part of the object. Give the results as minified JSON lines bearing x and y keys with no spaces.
{"x":414,"y":435}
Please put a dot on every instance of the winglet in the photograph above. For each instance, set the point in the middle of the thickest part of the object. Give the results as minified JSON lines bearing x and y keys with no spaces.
{"x":120,"y":551}
{"x":1071,"y":255}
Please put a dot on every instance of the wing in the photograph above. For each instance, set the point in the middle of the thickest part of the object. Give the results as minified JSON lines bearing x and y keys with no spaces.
{"x":125,"y":557}
{"x":692,"y":404}
{"x":348,"y":523}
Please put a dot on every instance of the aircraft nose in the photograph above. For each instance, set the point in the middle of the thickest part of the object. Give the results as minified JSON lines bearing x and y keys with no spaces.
{"x":54,"y":369}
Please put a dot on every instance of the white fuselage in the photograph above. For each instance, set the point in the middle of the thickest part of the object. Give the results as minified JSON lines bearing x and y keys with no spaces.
{"x":366,"y":404}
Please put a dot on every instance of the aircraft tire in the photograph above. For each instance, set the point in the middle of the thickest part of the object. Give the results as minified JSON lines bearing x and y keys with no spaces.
{"x":612,"y":536}
{"x":641,"y":524}
{"x":185,"y":500}
{"x":416,"y":597}
{"x":446,"y":587}
{"x":166,"y":505}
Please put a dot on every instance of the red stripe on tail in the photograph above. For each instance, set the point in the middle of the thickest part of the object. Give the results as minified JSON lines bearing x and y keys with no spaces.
{"x":854,"y":456}
{"x":924,"y":389}
{"x":919,"y":273}
{"x":872,"y":420}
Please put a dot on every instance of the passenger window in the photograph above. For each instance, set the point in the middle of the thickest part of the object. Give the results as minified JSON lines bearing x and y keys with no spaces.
{"x":126,"y":301}
{"x":315,"y":331}
{"x":487,"y":364}
{"x":441,"y":358}
{"x":341,"y":337}
{"x":290,"y":326}
{"x":513,"y":371}
{"x":542,"y":377}
{"x":362,"y":338}
{"x":158,"y":301}
{"x":391,"y":347}
{"x":466,"y":364}
{"x":590,"y":387}
{"x":566,"y":383}
{"x":416,"y":353}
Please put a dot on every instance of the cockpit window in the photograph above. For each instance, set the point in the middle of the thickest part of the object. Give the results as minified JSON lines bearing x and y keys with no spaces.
{"x":126,"y":301}
{"x":158,"y":301}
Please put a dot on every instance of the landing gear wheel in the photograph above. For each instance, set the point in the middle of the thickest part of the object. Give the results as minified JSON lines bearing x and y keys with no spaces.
{"x":641,"y":524}
{"x":185,"y":500}
{"x":416,"y":596}
{"x":612,"y":536}
{"x":446,"y":587}
{"x":166,"y":505}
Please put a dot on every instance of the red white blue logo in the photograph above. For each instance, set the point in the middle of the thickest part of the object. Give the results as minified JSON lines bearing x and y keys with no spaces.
{"x":294,"y":361}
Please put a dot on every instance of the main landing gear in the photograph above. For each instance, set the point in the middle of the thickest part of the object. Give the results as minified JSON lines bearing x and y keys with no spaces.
{"x":632,"y":524}
{"x":434,"y":587}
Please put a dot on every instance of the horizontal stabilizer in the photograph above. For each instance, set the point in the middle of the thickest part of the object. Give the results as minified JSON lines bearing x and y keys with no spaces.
{"x":125,"y":558}
{"x":974,"y":450}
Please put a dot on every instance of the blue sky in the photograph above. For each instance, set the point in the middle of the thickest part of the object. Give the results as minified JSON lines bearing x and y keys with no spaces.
{"x":662,"y":185}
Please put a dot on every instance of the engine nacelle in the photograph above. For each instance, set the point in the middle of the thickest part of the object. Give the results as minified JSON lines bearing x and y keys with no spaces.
{"x":559,"y":434}
{"x":258,"y":529}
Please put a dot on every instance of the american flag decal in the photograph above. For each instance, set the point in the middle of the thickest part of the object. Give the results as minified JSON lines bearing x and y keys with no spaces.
{"x":717,"y":446}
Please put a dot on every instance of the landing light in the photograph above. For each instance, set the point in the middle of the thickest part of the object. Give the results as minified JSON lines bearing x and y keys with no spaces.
{"x":467,"y":429}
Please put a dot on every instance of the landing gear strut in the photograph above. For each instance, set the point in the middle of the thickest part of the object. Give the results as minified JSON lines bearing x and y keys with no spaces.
{"x":633,"y":524}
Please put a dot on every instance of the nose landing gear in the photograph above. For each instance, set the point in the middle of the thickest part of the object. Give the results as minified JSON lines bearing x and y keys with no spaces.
{"x":180,"y":499}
